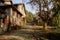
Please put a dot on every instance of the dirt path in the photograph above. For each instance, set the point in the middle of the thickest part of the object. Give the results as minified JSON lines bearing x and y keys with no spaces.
{"x":17,"y":35}
{"x":21,"y":34}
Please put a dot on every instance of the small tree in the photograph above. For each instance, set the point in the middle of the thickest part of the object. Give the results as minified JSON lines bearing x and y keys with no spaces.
{"x":29,"y":17}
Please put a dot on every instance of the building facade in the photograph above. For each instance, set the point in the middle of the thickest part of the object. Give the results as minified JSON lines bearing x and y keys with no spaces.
{"x":11,"y":13}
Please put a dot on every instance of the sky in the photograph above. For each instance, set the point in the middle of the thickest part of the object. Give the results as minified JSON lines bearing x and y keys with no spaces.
{"x":27,"y":6}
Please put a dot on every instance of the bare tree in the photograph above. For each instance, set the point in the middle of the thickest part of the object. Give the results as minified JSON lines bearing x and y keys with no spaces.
{"x":44,"y":9}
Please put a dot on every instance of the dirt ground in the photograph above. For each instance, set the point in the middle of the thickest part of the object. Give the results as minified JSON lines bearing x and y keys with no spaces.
{"x":31,"y":34}
{"x":16,"y":35}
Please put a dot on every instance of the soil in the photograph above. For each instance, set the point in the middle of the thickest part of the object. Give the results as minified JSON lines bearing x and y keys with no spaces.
{"x":31,"y":34}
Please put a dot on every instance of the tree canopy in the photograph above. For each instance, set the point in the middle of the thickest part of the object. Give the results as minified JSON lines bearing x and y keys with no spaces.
{"x":45,"y":9}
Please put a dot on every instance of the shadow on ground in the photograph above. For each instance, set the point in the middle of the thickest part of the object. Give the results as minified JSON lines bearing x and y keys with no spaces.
{"x":27,"y":34}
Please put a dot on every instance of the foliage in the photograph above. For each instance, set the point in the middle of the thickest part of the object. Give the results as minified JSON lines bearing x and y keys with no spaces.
{"x":29,"y":16}
{"x":56,"y":10}
{"x":44,"y":10}
{"x":55,"y":20}
{"x":48,"y":16}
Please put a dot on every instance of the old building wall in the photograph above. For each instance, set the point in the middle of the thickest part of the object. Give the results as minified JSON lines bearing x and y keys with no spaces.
{"x":8,"y":2}
{"x":14,"y":17}
{"x":22,"y":10}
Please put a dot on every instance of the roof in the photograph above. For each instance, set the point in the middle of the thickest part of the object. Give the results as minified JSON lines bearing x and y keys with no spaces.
{"x":5,"y":0}
{"x":1,"y":5}
{"x":12,"y":6}
{"x":4,"y":6}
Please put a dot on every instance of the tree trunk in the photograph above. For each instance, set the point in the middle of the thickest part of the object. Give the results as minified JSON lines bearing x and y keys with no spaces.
{"x":45,"y":26}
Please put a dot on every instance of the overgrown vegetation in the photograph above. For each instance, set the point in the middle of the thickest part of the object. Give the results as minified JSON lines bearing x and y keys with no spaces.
{"x":29,"y":16}
{"x":49,"y":16}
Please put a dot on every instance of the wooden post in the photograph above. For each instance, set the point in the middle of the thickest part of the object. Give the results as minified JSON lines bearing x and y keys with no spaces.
{"x":11,"y":20}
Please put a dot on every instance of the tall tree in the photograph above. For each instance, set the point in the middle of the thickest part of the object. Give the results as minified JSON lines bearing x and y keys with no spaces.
{"x":44,"y":9}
